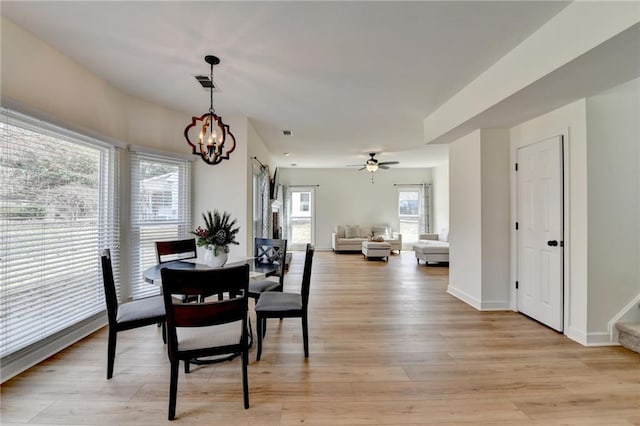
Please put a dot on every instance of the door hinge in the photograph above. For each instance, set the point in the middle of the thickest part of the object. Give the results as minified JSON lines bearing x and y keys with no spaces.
{"x":516,"y":285}
{"x":516,"y":167}
{"x":516,"y":226}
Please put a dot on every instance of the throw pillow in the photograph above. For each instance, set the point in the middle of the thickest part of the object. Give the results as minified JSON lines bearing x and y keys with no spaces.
{"x":378,"y":239}
{"x":444,"y":235}
{"x":340,"y":232}
{"x":352,"y":231}
{"x":380,"y":230}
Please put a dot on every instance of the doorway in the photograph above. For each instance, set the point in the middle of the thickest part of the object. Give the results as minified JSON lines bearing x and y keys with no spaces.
{"x":301,"y":224}
{"x":540,"y":231}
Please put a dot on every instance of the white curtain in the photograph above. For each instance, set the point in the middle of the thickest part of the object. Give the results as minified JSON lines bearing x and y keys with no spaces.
{"x":265,"y":203}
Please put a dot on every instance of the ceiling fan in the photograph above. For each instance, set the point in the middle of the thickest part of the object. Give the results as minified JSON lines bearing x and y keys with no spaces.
{"x":372,"y":164}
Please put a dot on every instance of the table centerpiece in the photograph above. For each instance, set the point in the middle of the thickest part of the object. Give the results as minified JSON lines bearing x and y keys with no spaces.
{"x":216,"y":236}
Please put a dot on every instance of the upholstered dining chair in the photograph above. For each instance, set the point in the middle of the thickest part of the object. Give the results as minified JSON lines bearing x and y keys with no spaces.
{"x":129,"y":315}
{"x":275,"y":304}
{"x":269,"y":251}
{"x":208,"y":327}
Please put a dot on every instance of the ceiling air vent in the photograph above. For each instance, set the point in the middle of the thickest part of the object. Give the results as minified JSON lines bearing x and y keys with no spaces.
{"x":207,"y":83}
{"x":287,"y":132}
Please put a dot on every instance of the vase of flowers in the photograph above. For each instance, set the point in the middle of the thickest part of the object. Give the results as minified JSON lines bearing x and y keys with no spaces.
{"x":216,"y":236}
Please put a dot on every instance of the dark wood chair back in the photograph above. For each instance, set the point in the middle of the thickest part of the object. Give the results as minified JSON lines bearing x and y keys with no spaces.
{"x":267,"y":250}
{"x":166,"y":251}
{"x":110,"y":294}
{"x":232,"y":283}
{"x":306,"y":275}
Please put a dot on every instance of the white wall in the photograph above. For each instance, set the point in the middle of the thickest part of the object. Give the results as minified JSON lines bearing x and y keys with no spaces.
{"x":570,"y":121}
{"x":225,"y":187}
{"x":496,"y":229}
{"x":613,"y":163}
{"x":347,"y":196}
{"x":479,"y":215}
{"x":465,"y":235}
{"x":440,"y":197}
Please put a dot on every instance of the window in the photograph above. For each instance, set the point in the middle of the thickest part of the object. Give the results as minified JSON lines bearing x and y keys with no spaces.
{"x":409,"y":214}
{"x":305,"y":199}
{"x":414,"y":211}
{"x":160,"y":210}
{"x":301,"y":221}
{"x":57,"y":209}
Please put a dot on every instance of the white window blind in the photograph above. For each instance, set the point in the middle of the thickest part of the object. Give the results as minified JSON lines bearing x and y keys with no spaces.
{"x":57,"y":209}
{"x":160,"y":210}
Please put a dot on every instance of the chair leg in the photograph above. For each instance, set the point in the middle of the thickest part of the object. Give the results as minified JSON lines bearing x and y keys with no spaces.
{"x":187,"y":366}
{"x":245,"y":377}
{"x":173,"y":390}
{"x":305,"y":335}
{"x":111,"y":352}
{"x":164,"y":332}
{"x":259,"y":331}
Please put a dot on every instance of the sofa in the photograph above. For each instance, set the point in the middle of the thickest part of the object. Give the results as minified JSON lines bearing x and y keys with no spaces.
{"x":349,"y":238}
{"x":432,"y":247}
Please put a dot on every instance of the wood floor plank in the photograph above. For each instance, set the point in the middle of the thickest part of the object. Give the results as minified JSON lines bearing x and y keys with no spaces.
{"x":389,"y":346}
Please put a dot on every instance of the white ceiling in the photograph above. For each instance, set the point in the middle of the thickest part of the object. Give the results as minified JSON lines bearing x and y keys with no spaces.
{"x":347,"y":78}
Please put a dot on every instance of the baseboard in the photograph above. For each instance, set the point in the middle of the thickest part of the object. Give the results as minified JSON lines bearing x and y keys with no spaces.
{"x":601,"y":338}
{"x":465,"y":297}
{"x":496,"y":305}
{"x":15,"y":366}
{"x":578,"y":336}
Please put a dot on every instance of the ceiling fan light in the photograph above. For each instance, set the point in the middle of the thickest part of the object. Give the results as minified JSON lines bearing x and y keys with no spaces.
{"x":371,"y":167}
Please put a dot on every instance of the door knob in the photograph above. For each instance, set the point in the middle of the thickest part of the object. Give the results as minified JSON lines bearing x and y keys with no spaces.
{"x":552,"y":243}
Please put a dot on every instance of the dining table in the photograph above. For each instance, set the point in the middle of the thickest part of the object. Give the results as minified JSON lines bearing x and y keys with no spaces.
{"x":153,"y":274}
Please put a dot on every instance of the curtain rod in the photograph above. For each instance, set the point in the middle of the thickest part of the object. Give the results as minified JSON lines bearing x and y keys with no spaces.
{"x":410,"y":184}
{"x":259,"y":162}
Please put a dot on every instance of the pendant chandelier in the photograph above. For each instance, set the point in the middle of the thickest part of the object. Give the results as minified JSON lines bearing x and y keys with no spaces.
{"x":214,"y":139}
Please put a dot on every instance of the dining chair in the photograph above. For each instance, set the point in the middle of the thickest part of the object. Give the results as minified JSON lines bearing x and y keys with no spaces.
{"x":208,"y":327}
{"x":274,"y":304}
{"x":129,"y":315}
{"x":166,"y":251}
{"x":269,"y":251}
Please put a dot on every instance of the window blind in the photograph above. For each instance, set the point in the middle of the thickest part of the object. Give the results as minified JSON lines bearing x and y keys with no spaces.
{"x":57,"y":209}
{"x":160,"y":210}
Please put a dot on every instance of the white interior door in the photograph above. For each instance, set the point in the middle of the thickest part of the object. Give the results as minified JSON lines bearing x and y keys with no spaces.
{"x":540,"y":231}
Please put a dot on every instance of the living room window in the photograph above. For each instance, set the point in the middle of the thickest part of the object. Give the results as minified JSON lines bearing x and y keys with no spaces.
{"x":58,"y":207}
{"x":414,"y":211}
{"x":409,"y":214}
{"x":160,"y":210}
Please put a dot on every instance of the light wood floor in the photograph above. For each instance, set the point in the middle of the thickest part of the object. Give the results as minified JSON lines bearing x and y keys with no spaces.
{"x":388,"y":346}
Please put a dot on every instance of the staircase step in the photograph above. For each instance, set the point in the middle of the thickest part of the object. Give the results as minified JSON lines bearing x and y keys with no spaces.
{"x":629,"y":335}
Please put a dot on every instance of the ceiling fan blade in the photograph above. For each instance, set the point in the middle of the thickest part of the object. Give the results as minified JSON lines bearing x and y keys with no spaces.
{"x":386,"y":163}
{"x":383,"y":167}
{"x":354,"y":165}
{"x":362,"y":168}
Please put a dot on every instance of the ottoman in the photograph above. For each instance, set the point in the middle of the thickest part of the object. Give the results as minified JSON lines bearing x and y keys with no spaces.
{"x":432,"y":251}
{"x":374,"y":249}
